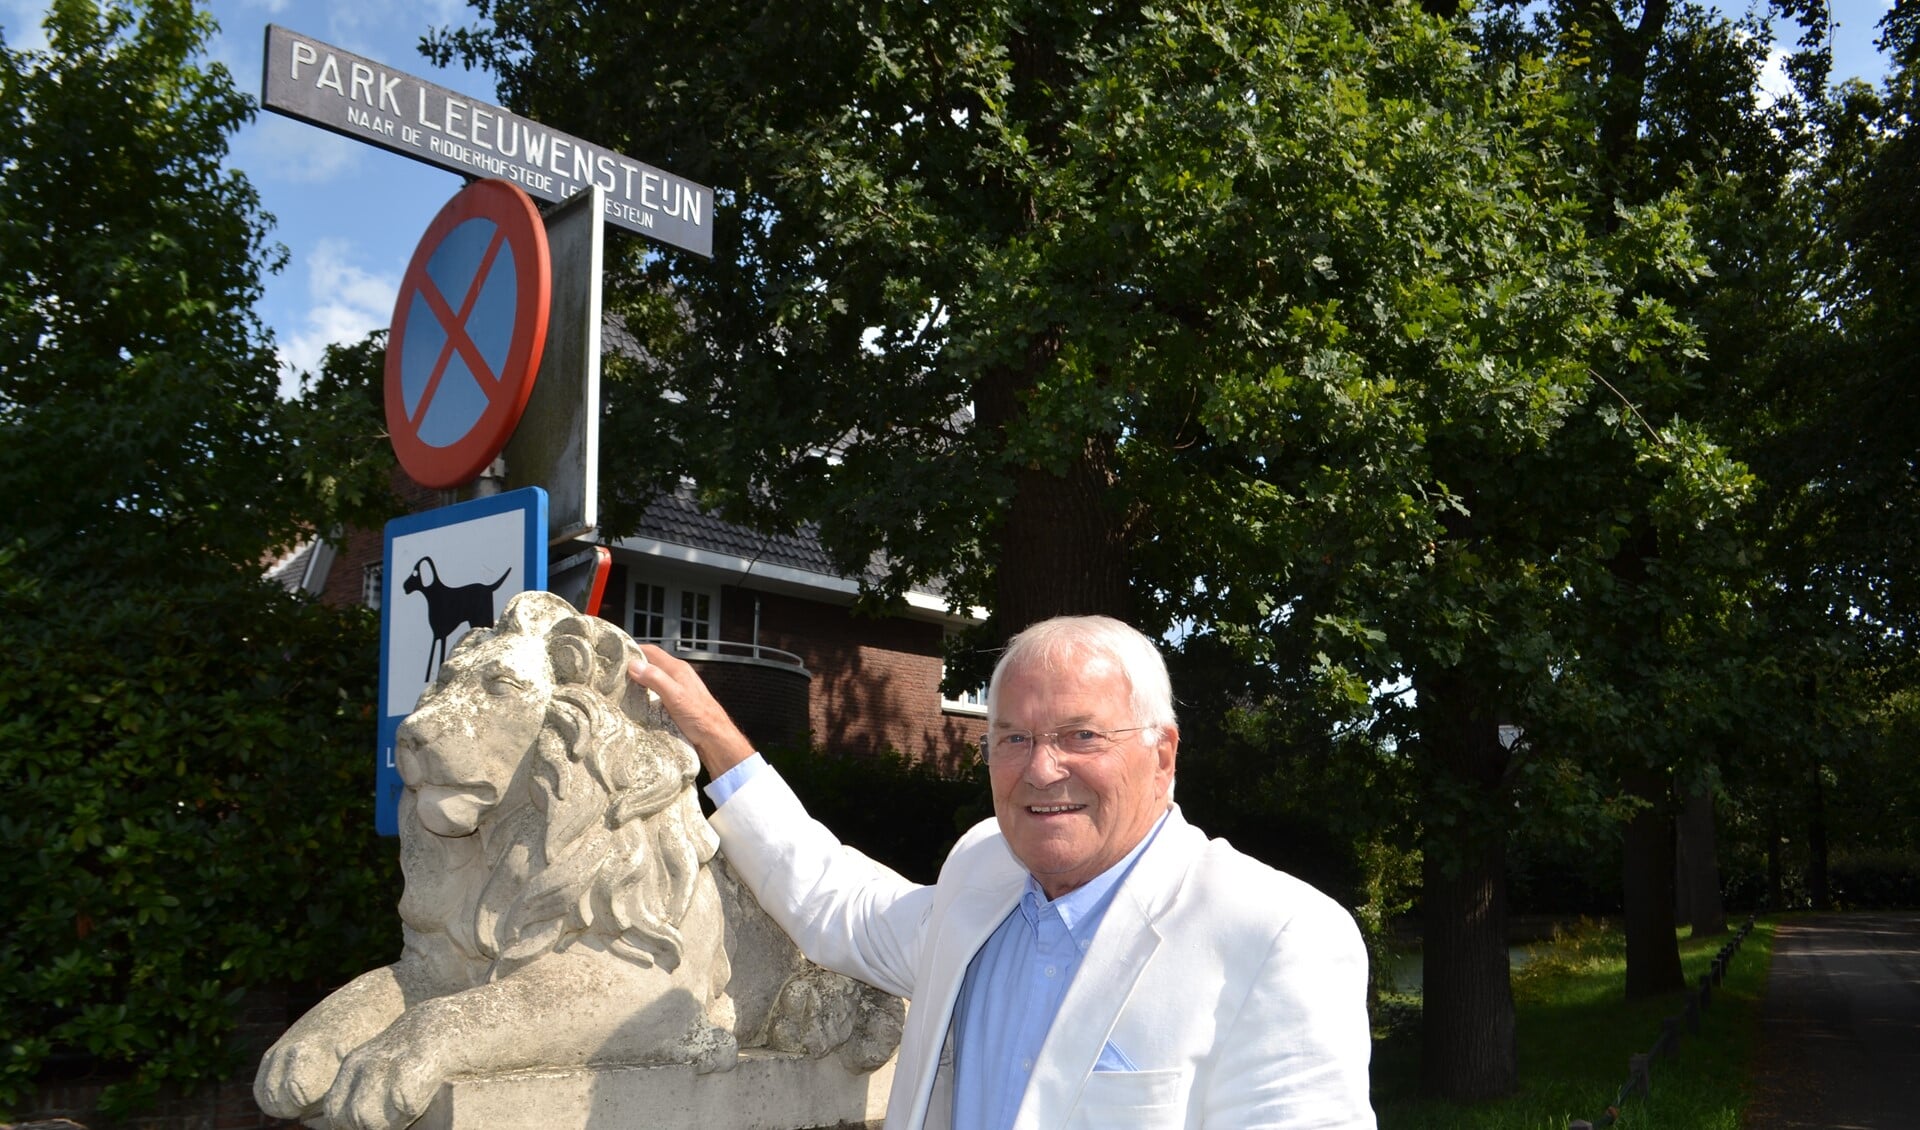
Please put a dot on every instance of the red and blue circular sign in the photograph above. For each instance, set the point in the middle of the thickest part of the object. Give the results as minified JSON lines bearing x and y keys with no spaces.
{"x":468,"y":330}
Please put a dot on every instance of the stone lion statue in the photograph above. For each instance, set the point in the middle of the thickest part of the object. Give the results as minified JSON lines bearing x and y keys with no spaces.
{"x":564,"y":904}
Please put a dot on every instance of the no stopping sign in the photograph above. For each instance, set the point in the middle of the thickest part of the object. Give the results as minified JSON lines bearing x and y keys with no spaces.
{"x":468,"y":329}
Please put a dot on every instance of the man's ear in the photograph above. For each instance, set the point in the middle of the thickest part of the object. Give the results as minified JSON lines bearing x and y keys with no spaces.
{"x":1167,"y":753}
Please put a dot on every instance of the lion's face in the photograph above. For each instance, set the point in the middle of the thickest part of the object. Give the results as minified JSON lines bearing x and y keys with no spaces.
{"x":461,"y":748}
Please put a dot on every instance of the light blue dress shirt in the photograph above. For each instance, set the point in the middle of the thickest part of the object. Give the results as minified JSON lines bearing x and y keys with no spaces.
{"x":729,"y":783}
{"x":1013,"y":990}
{"x":1014,"y":985}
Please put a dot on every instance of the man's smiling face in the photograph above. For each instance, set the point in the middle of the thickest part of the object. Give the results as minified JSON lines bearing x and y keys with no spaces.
{"x":1070,"y":818}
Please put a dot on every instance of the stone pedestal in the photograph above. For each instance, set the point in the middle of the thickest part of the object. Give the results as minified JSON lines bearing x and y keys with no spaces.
{"x":765,"y":1091}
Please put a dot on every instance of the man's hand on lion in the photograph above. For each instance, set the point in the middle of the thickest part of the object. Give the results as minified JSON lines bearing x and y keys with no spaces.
{"x":692,"y":707}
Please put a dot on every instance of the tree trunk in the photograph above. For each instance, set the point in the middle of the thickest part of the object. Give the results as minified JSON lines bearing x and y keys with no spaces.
{"x":1776,"y":870}
{"x":1468,"y":1049}
{"x":1623,"y":55}
{"x":1653,"y":949}
{"x":1817,"y":890}
{"x":1697,"y":877}
{"x":1064,"y":544}
{"x":1063,"y":548}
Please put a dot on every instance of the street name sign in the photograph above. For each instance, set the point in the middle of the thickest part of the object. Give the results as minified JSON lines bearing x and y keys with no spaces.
{"x":369,"y":101}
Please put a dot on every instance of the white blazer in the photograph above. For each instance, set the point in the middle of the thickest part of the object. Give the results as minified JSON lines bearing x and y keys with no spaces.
{"x":1239,"y":991}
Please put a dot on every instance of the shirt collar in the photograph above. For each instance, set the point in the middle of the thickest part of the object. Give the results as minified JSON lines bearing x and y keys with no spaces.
{"x":1084,"y":906}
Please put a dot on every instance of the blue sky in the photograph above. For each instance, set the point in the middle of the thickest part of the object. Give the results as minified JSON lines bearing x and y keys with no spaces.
{"x":350,"y":215}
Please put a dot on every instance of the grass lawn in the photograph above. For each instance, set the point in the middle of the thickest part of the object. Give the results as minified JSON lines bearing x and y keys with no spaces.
{"x":1575,"y":1034}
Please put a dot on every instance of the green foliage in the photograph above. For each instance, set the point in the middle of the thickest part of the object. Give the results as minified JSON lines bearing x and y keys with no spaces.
{"x":1247,"y":269}
{"x":1559,"y":872}
{"x":341,"y":458}
{"x":186,"y":813}
{"x":1875,"y":879}
{"x":1389,"y":881}
{"x":136,"y":386}
{"x":184,"y":750}
{"x":1277,"y":766}
{"x":1584,"y":949}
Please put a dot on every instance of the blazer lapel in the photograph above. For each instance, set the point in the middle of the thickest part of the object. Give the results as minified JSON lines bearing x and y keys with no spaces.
{"x":1128,"y":938}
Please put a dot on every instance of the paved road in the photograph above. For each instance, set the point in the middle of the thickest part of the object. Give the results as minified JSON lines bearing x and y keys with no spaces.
{"x":1840,"y":1027}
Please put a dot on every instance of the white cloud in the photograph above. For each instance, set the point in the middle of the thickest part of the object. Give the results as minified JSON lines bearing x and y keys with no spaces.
{"x":388,"y":33}
{"x":346,"y":302}
{"x":1774,"y":83}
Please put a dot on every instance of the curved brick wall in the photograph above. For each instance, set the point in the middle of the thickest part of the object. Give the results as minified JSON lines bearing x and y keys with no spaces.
{"x":768,"y":701}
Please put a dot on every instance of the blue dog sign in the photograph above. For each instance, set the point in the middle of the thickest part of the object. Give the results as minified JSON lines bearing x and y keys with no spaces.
{"x":444,"y":573}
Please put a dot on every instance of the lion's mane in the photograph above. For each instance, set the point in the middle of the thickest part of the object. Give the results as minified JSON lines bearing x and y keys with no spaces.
{"x":608,"y":844}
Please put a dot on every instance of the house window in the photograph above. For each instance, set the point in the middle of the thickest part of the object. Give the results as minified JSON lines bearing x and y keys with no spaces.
{"x":696,"y":620}
{"x":970,"y":701}
{"x":649,"y":612}
{"x":371,"y":581}
{"x":688,"y":617}
{"x":973,"y":701}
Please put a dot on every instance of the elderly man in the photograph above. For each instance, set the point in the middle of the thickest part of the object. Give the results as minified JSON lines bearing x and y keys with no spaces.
{"x":1087,"y":958}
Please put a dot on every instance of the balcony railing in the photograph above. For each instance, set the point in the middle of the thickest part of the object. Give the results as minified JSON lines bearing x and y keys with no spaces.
{"x":729,"y":651}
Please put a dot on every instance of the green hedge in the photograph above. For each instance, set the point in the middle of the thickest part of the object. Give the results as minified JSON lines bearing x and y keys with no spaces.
{"x":1875,"y":879}
{"x":901,"y":813}
{"x":185,"y":812}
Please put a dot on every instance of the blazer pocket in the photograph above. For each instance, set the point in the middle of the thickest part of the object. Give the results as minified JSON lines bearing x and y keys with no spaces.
{"x":1136,"y":1093}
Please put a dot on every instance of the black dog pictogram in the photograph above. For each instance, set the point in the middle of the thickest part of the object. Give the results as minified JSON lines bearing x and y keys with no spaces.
{"x":449,"y":606}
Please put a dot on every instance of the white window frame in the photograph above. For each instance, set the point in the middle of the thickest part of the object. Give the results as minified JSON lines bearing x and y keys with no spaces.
{"x":677,"y":618}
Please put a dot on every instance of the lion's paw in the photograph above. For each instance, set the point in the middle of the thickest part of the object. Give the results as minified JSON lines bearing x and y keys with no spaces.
{"x":876,"y":1029}
{"x":813,"y":1014}
{"x":294,"y":1077}
{"x":384,"y":1085}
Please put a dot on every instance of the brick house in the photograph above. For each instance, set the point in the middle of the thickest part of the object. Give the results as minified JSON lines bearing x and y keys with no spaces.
{"x":767,"y":619}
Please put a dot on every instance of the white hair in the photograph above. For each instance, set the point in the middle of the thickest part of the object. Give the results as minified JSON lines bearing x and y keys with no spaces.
{"x":1073,"y":642}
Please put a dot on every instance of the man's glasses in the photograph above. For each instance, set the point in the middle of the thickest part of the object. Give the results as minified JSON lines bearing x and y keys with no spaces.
{"x":1009,"y":747}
